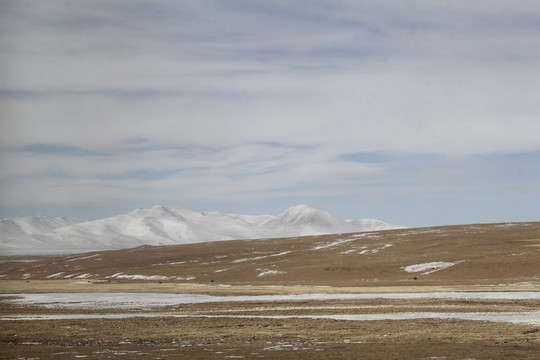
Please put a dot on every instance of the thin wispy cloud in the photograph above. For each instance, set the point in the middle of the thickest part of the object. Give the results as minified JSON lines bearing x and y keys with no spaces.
{"x":363,"y":108}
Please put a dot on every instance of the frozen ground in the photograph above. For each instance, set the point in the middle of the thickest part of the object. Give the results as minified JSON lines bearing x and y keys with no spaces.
{"x":137,"y":300}
{"x":451,"y":325}
{"x":154,"y":300}
{"x":133,"y":300}
{"x":532,"y":318}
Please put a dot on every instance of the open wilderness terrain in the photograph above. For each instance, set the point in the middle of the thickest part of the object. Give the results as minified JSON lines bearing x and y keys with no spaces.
{"x":455,"y":292}
{"x":455,"y":255}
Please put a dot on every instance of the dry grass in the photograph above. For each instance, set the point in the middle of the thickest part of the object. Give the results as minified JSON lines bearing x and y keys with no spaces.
{"x":494,"y":257}
{"x":201,"y":337}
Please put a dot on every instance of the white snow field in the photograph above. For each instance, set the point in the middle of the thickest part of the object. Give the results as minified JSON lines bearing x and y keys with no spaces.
{"x":146,"y":300}
{"x":430,"y":267}
{"x":42,"y":235}
{"x":531,"y":318}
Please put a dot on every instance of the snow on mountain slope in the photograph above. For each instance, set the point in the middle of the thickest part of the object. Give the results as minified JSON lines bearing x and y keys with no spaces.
{"x":33,"y":224}
{"x":369,"y":224}
{"x":306,"y":220}
{"x":21,"y":235}
{"x":162,"y":226}
{"x":155,"y":226}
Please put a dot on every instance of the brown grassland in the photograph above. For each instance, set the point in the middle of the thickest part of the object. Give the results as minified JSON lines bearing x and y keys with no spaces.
{"x":483,"y":257}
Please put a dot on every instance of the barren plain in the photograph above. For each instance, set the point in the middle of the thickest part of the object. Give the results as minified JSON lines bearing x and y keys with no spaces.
{"x":455,"y":292}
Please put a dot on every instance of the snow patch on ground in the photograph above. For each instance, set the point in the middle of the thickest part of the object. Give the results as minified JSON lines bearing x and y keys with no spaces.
{"x":426,"y":231}
{"x":285,"y":347}
{"x":332,"y":244}
{"x":83,"y":276}
{"x":185,"y":278}
{"x":430,"y":267}
{"x":55,"y":275}
{"x":143,"y":277}
{"x":375,"y":250}
{"x":134,"y":300}
{"x":170,"y":263}
{"x":82,"y":258}
{"x":260,"y":257}
{"x":148,"y":277}
{"x":358,"y":236}
{"x":270,"y":272}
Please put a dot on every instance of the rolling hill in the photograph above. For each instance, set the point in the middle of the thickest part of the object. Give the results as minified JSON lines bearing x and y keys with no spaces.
{"x":482,"y":254}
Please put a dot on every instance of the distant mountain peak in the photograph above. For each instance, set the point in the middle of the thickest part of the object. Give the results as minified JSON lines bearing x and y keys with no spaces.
{"x":305,"y":213}
{"x":156,"y":210}
{"x":302,"y":208}
{"x":307,"y":220}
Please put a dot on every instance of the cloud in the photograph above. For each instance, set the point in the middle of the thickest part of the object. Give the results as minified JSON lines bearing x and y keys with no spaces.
{"x":203,"y":173}
{"x":449,"y":113}
{"x":145,"y":101}
{"x":421,"y":78}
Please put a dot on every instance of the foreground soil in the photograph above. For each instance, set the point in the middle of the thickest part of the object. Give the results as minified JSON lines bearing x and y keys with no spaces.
{"x":489,"y":257}
{"x":202,"y":337}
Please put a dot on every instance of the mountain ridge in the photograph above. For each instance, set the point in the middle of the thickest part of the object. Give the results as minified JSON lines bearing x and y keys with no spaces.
{"x":159,"y":225}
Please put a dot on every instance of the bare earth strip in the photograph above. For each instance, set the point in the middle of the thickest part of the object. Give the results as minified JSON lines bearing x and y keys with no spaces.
{"x":60,"y":286}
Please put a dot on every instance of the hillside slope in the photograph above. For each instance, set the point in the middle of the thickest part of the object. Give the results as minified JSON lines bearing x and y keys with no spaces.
{"x":489,"y":254}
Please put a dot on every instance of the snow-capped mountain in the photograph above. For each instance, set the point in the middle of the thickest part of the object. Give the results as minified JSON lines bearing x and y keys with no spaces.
{"x":306,"y":220}
{"x":22,"y":235}
{"x":34,"y":224}
{"x":162,"y":226}
{"x":369,"y":224}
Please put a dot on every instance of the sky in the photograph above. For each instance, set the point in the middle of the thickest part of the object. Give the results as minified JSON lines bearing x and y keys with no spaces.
{"x":418,"y":113}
